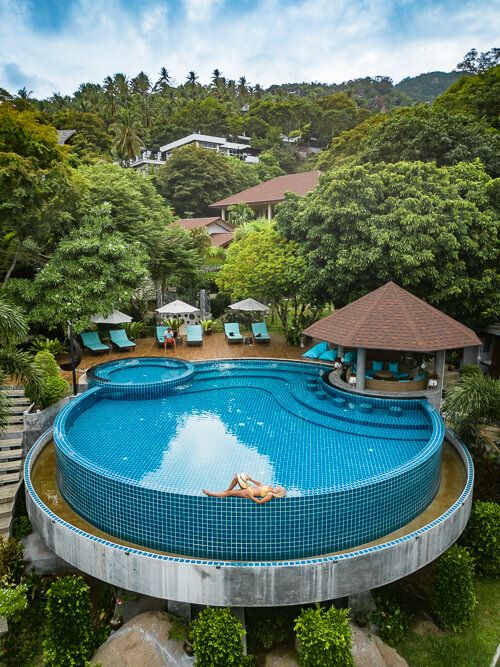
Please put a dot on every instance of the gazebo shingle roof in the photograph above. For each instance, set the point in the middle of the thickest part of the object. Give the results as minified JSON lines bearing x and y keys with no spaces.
{"x":390,"y":318}
{"x":273,"y":191}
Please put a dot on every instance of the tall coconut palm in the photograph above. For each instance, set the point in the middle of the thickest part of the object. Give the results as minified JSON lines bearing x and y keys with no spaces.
{"x":164,"y":80}
{"x":474,"y":402}
{"x":13,"y":362}
{"x":192,"y":78}
{"x":127,"y":132}
{"x":141,"y":83}
{"x":242,"y":87}
{"x":24,"y":93}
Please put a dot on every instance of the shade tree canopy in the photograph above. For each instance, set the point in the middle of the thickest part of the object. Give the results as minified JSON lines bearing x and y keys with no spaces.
{"x":432,"y":230}
{"x":195,"y":177}
{"x":419,"y":133}
{"x":94,"y":269}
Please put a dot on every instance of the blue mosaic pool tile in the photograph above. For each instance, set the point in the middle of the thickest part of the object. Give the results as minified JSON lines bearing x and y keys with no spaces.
{"x":111,"y":471}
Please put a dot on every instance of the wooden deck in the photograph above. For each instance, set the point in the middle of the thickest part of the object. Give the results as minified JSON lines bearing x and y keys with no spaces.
{"x":214,"y":347}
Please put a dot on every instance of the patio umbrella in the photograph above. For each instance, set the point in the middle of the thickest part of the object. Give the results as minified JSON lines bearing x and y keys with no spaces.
{"x":177,"y":308}
{"x":116,"y":317}
{"x":250,"y":305}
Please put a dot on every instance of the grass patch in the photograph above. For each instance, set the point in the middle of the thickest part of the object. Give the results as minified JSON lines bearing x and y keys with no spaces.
{"x":474,"y":647}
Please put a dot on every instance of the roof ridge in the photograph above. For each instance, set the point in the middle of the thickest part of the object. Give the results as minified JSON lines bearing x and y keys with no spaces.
{"x":409,"y":320}
{"x":362,"y":320}
{"x":442,"y":316}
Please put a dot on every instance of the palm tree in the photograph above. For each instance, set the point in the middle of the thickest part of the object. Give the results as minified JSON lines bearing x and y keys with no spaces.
{"x":141,"y":83}
{"x":164,"y":81}
{"x":474,"y":402}
{"x":192,"y":78}
{"x":126,"y":131}
{"x":242,"y":86}
{"x":216,"y":76}
{"x":24,"y":93}
{"x":14,"y":363}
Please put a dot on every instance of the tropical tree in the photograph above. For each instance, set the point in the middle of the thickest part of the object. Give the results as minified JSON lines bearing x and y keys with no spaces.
{"x":24,"y":93}
{"x":127,"y":132}
{"x":194,"y":177}
{"x":472,"y":404}
{"x":13,"y":362}
{"x":94,"y":269}
{"x":164,"y":80}
{"x":433,"y":230}
{"x":240,"y":214}
{"x":141,"y":84}
{"x":264,"y":265}
{"x":475,"y":62}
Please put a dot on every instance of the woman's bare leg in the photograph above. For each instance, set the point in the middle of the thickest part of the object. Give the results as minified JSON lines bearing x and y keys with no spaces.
{"x":234,"y":481}
{"x":217,"y":494}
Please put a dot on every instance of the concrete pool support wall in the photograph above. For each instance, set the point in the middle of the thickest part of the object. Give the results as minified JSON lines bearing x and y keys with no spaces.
{"x":259,"y":584}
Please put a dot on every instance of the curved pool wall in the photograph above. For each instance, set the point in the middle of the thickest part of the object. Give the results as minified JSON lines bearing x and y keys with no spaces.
{"x":250,"y":584}
{"x":319,"y":522}
{"x":158,"y":375}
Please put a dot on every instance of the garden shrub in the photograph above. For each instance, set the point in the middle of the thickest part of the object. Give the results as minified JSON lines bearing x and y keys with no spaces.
{"x":11,"y":560}
{"x":324,"y":637}
{"x":53,"y":386}
{"x":22,"y":527}
{"x":69,"y":636}
{"x":13,"y":601}
{"x":482,"y":537}
{"x":391,"y":620}
{"x":219,"y":303}
{"x":453,"y":596}
{"x":217,"y":638}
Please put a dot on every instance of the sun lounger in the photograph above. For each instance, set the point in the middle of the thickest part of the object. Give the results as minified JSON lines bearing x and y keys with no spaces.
{"x":232,"y":332}
{"x":316,"y":351}
{"x":260,"y":334}
{"x":160,"y":335}
{"x":329,"y":355}
{"x":120,"y":340}
{"x":194,"y":334}
{"x":92,"y":342}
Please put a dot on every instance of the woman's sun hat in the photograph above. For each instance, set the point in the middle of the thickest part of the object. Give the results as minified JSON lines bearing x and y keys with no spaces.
{"x":280,"y":492}
{"x":243,"y":480}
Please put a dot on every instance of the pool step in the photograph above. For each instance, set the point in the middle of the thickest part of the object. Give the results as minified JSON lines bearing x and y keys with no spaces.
{"x":9,"y":466}
{"x":11,"y":455}
{"x":10,"y":443}
{"x":14,"y":454}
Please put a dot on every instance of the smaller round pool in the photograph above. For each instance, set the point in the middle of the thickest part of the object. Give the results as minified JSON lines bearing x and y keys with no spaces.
{"x":140,"y":372}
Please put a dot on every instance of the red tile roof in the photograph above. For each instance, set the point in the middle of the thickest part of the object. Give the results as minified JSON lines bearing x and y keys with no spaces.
{"x":221,"y":240}
{"x":274,"y":190}
{"x":194,"y":223}
{"x":390,"y":318}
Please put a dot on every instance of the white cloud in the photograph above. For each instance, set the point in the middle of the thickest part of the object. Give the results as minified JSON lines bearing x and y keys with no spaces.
{"x":272,"y":42}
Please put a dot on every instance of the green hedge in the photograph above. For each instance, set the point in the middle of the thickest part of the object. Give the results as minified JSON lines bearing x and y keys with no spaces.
{"x":69,"y":639}
{"x":53,"y":386}
{"x":391,"y":620}
{"x":217,"y":639}
{"x":453,"y":596}
{"x":482,"y":537}
{"x":324,"y":637}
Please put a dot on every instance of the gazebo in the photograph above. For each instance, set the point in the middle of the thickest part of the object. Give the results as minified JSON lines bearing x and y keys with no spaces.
{"x":387,"y":326}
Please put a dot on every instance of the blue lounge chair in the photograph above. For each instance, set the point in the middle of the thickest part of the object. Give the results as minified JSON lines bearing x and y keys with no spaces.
{"x":120,"y":340}
{"x":160,"y":335}
{"x":92,"y":342}
{"x":329,"y":355}
{"x":260,"y":334}
{"x":232,"y":332}
{"x":194,"y":334}
{"x":316,"y":351}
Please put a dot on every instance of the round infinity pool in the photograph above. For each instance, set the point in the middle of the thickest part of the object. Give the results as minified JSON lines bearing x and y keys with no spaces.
{"x":354,"y":468}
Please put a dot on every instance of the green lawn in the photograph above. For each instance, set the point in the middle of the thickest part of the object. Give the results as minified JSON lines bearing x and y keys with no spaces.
{"x":473,"y":648}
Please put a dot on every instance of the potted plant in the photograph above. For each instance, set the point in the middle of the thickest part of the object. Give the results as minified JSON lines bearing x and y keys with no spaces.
{"x":175,"y":323}
{"x":207,"y":326}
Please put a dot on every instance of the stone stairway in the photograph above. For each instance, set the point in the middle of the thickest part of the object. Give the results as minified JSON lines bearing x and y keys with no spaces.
{"x":11,"y":456}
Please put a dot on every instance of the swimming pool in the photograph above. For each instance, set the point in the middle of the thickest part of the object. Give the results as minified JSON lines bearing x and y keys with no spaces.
{"x":134,"y":464}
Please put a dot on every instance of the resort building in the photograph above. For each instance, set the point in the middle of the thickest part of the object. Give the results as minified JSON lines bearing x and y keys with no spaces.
{"x":262,"y":198}
{"x":241,"y":150}
{"x":220,"y":231}
{"x":394,"y":343}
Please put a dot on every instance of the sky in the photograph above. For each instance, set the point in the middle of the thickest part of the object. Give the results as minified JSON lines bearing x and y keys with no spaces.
{"x":54,"y":45}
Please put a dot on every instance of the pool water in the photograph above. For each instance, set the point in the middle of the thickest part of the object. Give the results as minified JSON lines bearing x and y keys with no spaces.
{"x":150,"y":373}
{"x":363,"y":466}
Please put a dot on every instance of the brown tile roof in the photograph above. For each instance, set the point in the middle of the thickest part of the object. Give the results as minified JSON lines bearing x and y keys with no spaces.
{"x":194,"y":223}
{"x":274,"y":190}
{"x":390,"y":318}
{"x":221,"y":240}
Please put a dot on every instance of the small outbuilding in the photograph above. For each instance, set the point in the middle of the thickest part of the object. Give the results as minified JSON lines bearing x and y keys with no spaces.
{"x":394,"y":339}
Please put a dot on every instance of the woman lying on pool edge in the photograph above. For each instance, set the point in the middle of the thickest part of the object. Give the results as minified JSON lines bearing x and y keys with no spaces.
{"x":260,"y":493}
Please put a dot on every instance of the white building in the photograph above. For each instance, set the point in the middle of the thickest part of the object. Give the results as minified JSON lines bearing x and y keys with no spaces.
{"x":242,"y":151}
